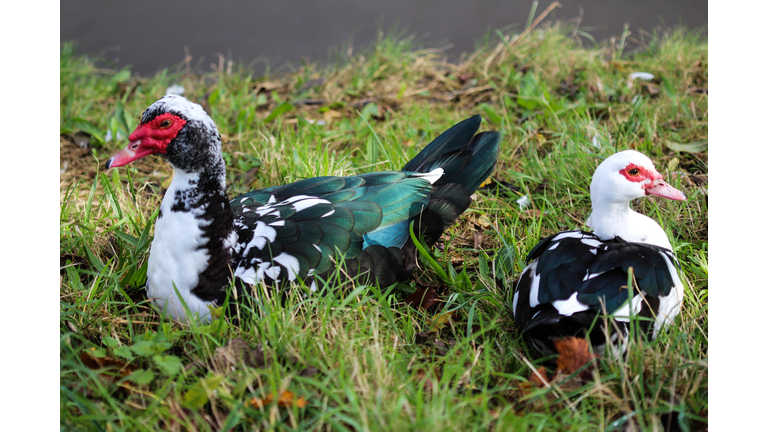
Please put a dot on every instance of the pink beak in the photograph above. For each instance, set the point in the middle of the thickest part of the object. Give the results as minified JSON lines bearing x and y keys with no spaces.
{"x":664,"y":190}
{"x":134,"y":151}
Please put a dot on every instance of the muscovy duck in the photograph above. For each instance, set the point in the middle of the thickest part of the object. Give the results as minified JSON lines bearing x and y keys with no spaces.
{"x":572,"y":274}
{"x":303,"y":230}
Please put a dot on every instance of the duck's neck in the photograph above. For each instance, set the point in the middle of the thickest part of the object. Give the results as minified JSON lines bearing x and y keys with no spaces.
{"x":193,"y":241}
{"x":617,"y":219}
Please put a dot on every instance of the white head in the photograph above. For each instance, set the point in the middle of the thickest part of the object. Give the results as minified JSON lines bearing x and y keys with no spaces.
{"x":626,"y":176}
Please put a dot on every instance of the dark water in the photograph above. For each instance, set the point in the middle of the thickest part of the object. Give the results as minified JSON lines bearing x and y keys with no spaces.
{"x":151,"y":35}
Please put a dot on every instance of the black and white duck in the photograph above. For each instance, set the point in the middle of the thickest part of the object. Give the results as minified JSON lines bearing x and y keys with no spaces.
{"x":571,"y":276}
{"x":302,"y":230}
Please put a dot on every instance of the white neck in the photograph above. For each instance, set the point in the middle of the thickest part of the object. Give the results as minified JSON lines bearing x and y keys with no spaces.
{"x":177,"y":256}
{"x":612,"y":219}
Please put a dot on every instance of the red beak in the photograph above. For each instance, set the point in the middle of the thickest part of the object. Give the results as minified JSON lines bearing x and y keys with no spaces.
{"x":664,"y":190}
{"x":134,"y":151}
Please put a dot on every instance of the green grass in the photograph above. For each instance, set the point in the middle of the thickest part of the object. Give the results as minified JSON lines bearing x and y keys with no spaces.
{"x":544,"y":92}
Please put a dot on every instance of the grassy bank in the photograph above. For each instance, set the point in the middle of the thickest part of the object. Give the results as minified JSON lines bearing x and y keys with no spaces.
{"x":383,"y":359}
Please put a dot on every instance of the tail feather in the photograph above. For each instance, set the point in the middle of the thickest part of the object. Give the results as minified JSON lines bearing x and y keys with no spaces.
{"x":466,"y":159}
{"x":449,"y":141}
{"x":484,"y":149}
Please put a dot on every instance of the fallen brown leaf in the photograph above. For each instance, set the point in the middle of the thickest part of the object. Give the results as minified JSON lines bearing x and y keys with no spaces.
{"x":309,"y":372}
{"x":442,"y":347}
{"x":478,"y":237}
{"x":237,"y":353}
{"x":574,"y":354}
{"x":530,"y":214}
{"x":330,"y":115}
{"x":249,"y":176}
{"x":97,"y":363}
{"x":286,"y":400}
{"x":267,"y":86}
{"x":425,"y":337}
{"x":539,"y":378}
{"x":423,"y":298}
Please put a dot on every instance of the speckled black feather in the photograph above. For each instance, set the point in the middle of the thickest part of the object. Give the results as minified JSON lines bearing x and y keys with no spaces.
{"x":365,"y":204}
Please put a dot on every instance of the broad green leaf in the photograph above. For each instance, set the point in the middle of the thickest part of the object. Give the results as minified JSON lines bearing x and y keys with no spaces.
{"x":124,"y":352}
{"x":692,"y":147}
{"x":197,"y":396}
{"x":142,"y":376}
{"x":97,"y":352}
{"x":110,"y":341}
{"x":149,"y":348}
{"x":169,"y":364}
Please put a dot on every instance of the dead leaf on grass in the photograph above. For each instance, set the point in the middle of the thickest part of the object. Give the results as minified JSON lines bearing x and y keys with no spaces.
{"x":442,"y":347}
{"x":249,"y":176}
{"x":423,"y":298}
{"x":309,"y":372}
{"x":440,"y":320}
{"x":530,"y":214}
{"x":286,"y":400}
{"x":426,"y":381}
{"x":238,"y":352}
{"x":330,"y":115}
{"x":425,"y":337}
{"x":478,"y":237}
{"x":98,"y":363}
{"x":539,"y":378}
{"x":574,"y":354}
{"x":267,"y":86}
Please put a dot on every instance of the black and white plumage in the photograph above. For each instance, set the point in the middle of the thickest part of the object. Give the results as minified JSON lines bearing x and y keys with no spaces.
{"x":571,"y":276}
{"x":304,"y":230}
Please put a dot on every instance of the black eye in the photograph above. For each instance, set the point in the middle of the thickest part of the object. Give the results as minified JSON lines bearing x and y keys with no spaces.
{"x":165,"y":124}
{"x":634,"y":172}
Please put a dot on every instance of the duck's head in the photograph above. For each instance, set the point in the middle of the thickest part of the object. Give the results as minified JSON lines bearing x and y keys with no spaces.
{"x":176,"y":129}
{"x":626,"y":176}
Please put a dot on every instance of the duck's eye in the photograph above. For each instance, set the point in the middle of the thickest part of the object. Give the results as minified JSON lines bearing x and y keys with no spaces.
{"x":165,"y":124}
{"x":633,"y":172}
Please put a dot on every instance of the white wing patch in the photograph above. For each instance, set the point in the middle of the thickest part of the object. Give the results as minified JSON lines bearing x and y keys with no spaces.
{"x":431,"y":176}
{"x":309,"y":202}
{"x":592,"y":242}
{"x":264,"y":233}
{"x":589,"y":276}
{"x":669,"y":306}
{"x":568,"y":234}
{"x":569,"y":306}
{"x":247,"y":275}
{"x":623,"y":313}
{"x":261,"y":234}
{"x":533,"y":300}
{"x":290,"y":263}
{"x":514,"y":301}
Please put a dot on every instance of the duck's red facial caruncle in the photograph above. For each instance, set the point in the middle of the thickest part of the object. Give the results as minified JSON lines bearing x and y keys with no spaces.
{"x":652,"y":182}
{"x":149,"y":138}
